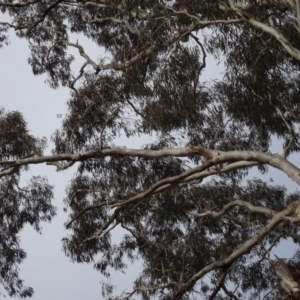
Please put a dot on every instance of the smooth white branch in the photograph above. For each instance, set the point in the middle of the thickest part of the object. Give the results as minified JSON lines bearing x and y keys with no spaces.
{"x":277,"y":219}
{"x":215,"y":156}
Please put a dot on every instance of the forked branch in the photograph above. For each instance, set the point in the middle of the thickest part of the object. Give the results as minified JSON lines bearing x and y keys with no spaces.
{"x":244,"y":249}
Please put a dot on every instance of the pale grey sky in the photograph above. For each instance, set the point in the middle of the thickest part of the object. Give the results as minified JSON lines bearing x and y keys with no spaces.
{"x":46,"y":268}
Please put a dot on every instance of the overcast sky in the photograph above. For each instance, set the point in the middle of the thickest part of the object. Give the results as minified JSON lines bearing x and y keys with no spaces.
{"x":46,"y":268}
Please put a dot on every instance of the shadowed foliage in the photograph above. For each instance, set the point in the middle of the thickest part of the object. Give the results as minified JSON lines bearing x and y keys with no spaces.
{"x":180,"y":190}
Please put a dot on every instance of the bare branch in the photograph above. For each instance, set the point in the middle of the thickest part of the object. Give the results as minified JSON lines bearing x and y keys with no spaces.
{"x":20,"y":4}
{"x":60,"y":167}
{"x":47,"y":10}
{"x":272,"y":30}
{"x":241,"y":203}
{"x":89,"y":191}
{"x":109,"y":118}
{"x":98,"y":237}
{"x":215,"y":156}
{"x":116,"y":21}
{"x":134,"y":108}
{"x":77,"y":124}
{"x":294,"y":236}
{"x":203,"y":65}
{"x":287,"y":149}
{"x":143,"y":195}
{"x":88,"y":3}
{"x":148,"y":51}
{"x":290,"y":110}
{"x":219,"y":285}
{"x":81,"y":72}
{"x":9,"y":171}
{"x":298,"y":12}
{"x":85,"y":210}
{"x":169,"y":180}
{"x":245,"y":248}
{"x":154,"y":288}
{"x":213,"y":171}
{"x":229,"y":293}
{"x":81,"y":52}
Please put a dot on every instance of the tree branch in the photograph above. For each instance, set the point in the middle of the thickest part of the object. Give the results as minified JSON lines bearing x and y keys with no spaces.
{"x":229,"y":293}
{"x":85,"y":210}
{"x":20,"y":4}
{"x":245,"y":248}
{"x":215,"y":156}
{"x":287,"y":149}
{"x":219,"y":285}
{"x":241,"y":203}
{"x":272,"y":30}
{"x":169,"y":180}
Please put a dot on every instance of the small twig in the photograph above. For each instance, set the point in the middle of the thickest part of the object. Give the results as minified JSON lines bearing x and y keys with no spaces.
{"x":154,"y":288}
{"x":116,"y":21}
{"x":47,"y":10}
{"x":203,"y":65}
{"x":219,"y":285}
{"x":60,"y":166}
{"x":114,"y":114}
{"x":102,"y":234}
{"x":276,"y":220}
{"x":77,"y":124}
{"x":81,"y":72}
{"x":81,"y":52}
{"x":9,"y":171}
{"x":85,"y":210}
{"x":20,"y":4}
{"x":267,"y":251}
{"x":294,"y":236}
{"x":134,"y":108}
{"x":89,"y":191}
{"x":287,"y":149}
{"x":229,"y":293}
{"x":241,"y":203}
{"x":289,"y":108}
{"x":170,"y":180}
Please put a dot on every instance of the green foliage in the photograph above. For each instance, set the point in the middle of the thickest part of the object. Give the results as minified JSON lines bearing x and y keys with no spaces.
{"x":20,"y":206}
{"x":151,"y":86}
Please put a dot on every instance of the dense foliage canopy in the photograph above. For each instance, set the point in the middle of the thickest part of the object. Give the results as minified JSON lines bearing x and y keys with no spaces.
{"x":198,"y":238}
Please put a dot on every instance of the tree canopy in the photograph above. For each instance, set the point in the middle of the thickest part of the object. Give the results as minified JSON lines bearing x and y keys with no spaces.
{"x":187,"y":203}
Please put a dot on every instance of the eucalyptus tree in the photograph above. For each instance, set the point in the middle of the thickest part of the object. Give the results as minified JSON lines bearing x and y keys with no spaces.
{"x":207,"y":238}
